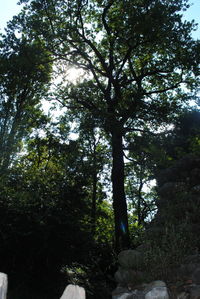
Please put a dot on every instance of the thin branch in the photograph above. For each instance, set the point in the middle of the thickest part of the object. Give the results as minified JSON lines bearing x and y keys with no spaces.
{"x":73,"y":106}
{"x":92,"y":46}
{"x":137,"y":79}
{"x":161,"y":72}
{"x":107,"y":28}
{"x":131,"y":160}
{"x":124,"y":61}
{"x":167,"y":88}
{"x":142,"y":131}
{"x":111,"y":67}
{"x":164,"y":89}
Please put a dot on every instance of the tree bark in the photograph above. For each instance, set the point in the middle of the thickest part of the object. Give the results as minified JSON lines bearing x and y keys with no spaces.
{"x":94,"y":198}
{"x":122,"y":240}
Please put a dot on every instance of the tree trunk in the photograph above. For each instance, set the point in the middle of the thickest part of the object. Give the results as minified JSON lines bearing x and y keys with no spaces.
{"x":122,"y":240}
{"x":93,"y":147}
{"x":9,"y":143}
{"x":94,"y":200}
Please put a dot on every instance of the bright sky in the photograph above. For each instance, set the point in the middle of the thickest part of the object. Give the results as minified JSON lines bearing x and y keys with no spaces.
{"x":8,"y":8}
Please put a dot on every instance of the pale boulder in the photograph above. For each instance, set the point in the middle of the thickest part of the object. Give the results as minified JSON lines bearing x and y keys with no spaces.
{"x":3,"y":285}
{"x":73,"y":292}
{"x":157,"y":290}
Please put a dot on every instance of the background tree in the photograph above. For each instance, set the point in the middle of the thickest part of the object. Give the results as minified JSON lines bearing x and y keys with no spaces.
{"x":140,"y":176}
{"x":44,"y":212}
{"x":24,"y":75}
{"x":95,"y":153}
{"x":93,"y":157}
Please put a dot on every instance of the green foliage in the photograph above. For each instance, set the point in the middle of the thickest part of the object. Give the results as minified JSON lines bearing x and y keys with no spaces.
{"x":105,"y":223}
{"x":24,"y":76}
{"x":95,"y":276}
{"x":136,"y":66}
{"x":42,"y":223}
{"x":45,"y":207}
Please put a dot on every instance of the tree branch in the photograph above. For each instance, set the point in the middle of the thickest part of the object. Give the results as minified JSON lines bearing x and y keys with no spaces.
{"x":164,"y":89}
{"x":107,"y":28}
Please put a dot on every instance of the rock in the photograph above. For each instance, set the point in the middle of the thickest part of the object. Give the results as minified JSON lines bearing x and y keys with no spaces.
{"x":156,"y":290}
{"x":122,"y":296}
{"x":128,"y":276}
{"x":195,"y":292}
{"x":183,"y":295}
{"x":73,"y":292}
{"x":130,"y":295}
{"x":196,"y":276}
{"x":190,"y":269}
{"x":157,"y":293}
{"x":124,"y":276}
{"x":119,"y":291}
{"x":3,"y":285}
{"x":154,"y":284}
{"x":138,"y":295}
{"x":130,"y":259}
{"x":143,"y":248}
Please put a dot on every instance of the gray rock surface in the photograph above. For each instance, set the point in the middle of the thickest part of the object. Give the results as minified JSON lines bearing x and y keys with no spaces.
{"x":190,"y":269}
{"x":130,"y":295}
{"x":183,"y":295}
{"x":3,"y":285}
{"x":157,"y":290}
{"x":195,"y":292}
{"x":157,"y":293}
{"x":154,"y":290}
{"x":126,"y":277}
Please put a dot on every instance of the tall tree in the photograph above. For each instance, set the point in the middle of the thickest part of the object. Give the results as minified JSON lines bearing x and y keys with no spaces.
{"x":95,"y":151}
{"x":138,"y":55}
{"x":139,"y":174}
{"x":92,"y":156}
